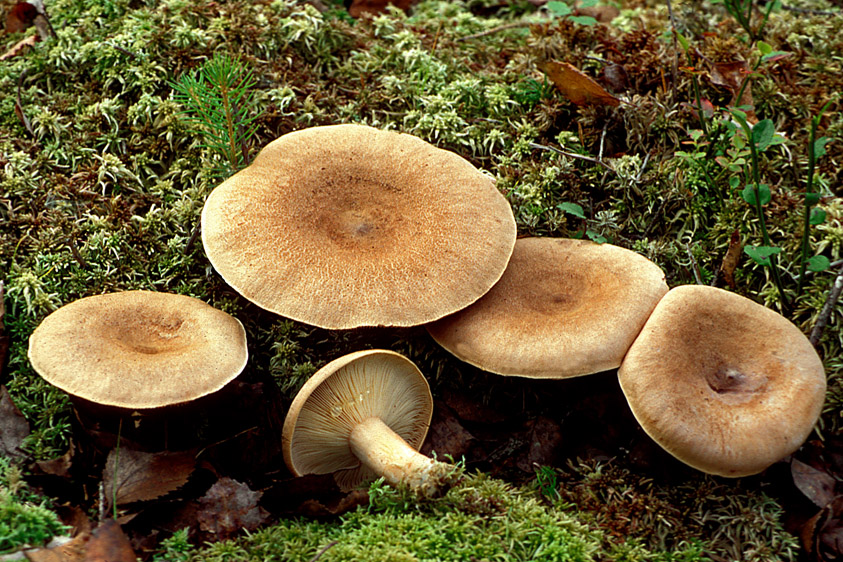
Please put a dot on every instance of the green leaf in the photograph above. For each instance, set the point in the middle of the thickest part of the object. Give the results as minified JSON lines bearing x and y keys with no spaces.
{"x":819,"y":147}
{"x":572,"y":209}
{"x":583,"y":20}
{"x":764,"y":48}
{"x":775,"y":55}
{"x":748,"y":193}
{"x":817,"y":217}
{"x":812,"y":198}
{"x":560,"y":9}
{"x":734,"y":182}
{"x":761,"y":254}
{"x":682,"y":41}
{"x":588,"y":3}
{"x":595,"y":237}
{"x":762,"y":134}
{"x":818,"y":263}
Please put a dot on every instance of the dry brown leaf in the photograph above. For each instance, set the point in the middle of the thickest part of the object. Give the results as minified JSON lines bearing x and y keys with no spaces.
{"x":731,"y":259}
{"x":21,"y":16}
{"x":109,"y":544}
{"x":360,"y":7}
{"x":578,"y":87}
{"x":230,"y":507}
{"x":818,"y":486}
{"x":447,"y":436}
{"x":543,"y":444}
{"x":141,"y":476}
{"x":731,"y":75}
{"x":13,"y":426}
{"x":72,"y":551}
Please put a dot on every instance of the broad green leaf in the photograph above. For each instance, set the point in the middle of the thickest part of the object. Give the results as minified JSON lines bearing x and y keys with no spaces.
{"x":583,"y":20}
{"x":819,"y":147}
{"x":595,"y":237}
{"x":682,"y":41}
{"x":761,"y":254}
{"x":560,"y":9}
{"x":764,"y":48}
{"x":588,"y":3}
{"x":764,"y":195}
{"x":818,"y":263}
{"x":571,"y":209}
{"x":762,"y":134}
{"x":812,"y":198}
{"x":734,"y":182}
{"x":775,"y":55}
{"x":817,"y":216}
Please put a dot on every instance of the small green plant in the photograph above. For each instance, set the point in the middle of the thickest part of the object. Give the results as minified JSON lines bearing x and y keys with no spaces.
{"x":25,"y":520}
{"x":218,"y":100}
{"x":546,"y":481}
{"x":741,"y":10}
{"x":562,"y":10}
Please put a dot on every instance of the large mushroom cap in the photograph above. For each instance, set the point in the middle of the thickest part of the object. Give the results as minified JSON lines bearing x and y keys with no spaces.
{"x":721,"y":382}
{"x":138,"y":349}
{"x":346,"y":225}
{"x":563,"y":308}
{"x":342,"y":394}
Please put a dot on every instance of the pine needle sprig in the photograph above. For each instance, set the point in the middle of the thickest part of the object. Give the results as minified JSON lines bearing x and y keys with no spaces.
{"x":218,"y":100}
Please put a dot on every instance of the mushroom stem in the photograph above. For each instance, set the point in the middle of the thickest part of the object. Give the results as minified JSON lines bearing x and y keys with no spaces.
{"x":385,"y":453}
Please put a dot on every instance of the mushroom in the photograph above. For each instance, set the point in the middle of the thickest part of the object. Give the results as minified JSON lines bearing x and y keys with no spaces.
{"x":362,"y":416}
{"x":563,"y":308}
{"x":138,"y":349}
{"x":722,"y":383}
{"x":345,"y":226}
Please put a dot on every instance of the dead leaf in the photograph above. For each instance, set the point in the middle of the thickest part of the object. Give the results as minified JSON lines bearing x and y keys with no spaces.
{"x":109,"y":544}
{"x":13,"y":426}
{"x":141,"y":476}
{"x":59,"y":466}
{"x":577,"y":86}
{"x":603,"y":13}
{"x":817,"y":485}
{"x":360,"y":7}
{"x":447,"y":436}
{"x":21,"y":16}
{"x":543,"y":443}
{"x":732,"y":75}
{"x":731,"y":259}
{"x":313,"y":495}
{"x":230,"y":507}
{"x":72,"y":551}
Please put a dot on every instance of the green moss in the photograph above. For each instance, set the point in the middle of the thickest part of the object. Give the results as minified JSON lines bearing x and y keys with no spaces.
{"x":25,"y":519}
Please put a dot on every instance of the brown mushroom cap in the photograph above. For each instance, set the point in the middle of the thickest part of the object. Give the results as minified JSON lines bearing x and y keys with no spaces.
{"x":346,"y":225}
{"x":563,"y":308}
{"x":721,"y":382}
{"x":138,"y":349}
{"x":342,"y":394}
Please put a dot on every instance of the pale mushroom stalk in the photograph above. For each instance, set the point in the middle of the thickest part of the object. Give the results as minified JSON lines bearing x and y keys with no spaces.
{"x":386,"y":454}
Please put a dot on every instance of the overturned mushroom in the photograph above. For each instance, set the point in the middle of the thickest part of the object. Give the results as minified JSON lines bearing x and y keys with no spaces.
{"x":362,"y":416}
{"x":562,"y":308}
{"x":722,"y":383}
{"x":346,"y":225}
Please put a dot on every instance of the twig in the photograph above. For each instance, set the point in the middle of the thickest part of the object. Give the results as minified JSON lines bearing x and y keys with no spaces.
{"x":643,"y":167}
{"x":675,"y":67}
{"x":193,"y":236}
{"x":75,"y":252}
{"x":572,"y":155}
{"x":324,"y":550}
{"x":19,"y":106}
{"x":825,"y":313}
{"x":694,"y":267}
{"x":810,"y":11}
{"x":494,"y":30}
{"x":602,"y":141}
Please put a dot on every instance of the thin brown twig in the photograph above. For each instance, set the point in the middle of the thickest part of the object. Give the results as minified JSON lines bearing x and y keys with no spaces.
{"x":494,"y":30}
{"x":694,"y":267}
{"x":825,"y":313}
{"x":324,"y":550}
{"x":675,"y":66}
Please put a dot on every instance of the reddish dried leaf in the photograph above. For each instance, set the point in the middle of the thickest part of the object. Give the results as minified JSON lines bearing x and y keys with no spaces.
{"x":59,"y":466}
{"x":360,"y":7}
{"x":141,"y":476}
{"x":21,"y":16}
{"x":109,"y":544}
{"x":471,"y":410}
{"x":818,"y":486}
{"x":447,"y":436}
{"x":602,"y":13}
{"x":729,"y":74}
{"x":72,"y":551}
{"x":543,"y":443}
{"x":13,"y":426}
{"x":731,"y":259}
{"x":578,"y":87}
{"x":230,"y":507}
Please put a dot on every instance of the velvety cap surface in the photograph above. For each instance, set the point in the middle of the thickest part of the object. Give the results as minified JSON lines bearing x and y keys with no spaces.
{"x":346,"y":391}
{"x":563,"y":308}
{"x":346,"y":225}
{"x":721,"y":382}
{"x":138,"y":349}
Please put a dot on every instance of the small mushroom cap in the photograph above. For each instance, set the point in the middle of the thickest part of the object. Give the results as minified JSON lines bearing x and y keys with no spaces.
{"x":724,"y":384}
{"x":343,"y":393}
{"x":346,"y":225}
{"x":138,"y":349}
{"x":563,"y":308}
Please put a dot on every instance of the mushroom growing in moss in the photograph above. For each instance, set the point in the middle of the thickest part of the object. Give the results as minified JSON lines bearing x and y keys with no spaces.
{"x":563,"y":308}
{"x":362,"y":416}
{"x":722,"y":383}
{"x":345,"y":226}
